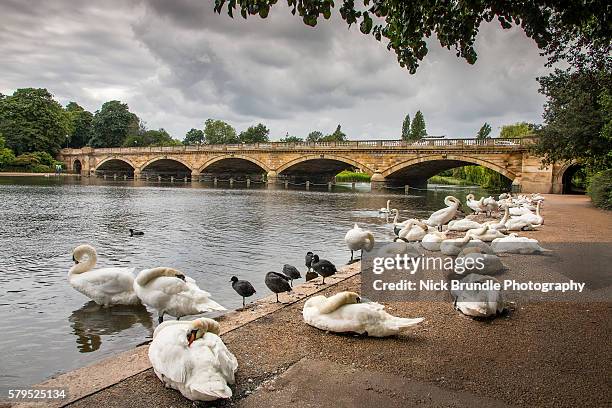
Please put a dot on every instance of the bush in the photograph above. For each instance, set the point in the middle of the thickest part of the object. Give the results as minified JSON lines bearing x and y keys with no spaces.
{"x":35,"y":162}
{"x":600,"y":189}
{"x":349,"y":176}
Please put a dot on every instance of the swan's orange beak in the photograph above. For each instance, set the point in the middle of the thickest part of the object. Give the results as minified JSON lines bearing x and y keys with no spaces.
{"x":191,"y":338}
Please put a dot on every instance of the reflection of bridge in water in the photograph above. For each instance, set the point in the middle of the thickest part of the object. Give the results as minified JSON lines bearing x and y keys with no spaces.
{"x":392,"y":162}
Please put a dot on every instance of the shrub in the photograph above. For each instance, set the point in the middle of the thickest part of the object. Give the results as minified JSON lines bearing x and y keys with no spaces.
{"x":349,"y":176}
{"x":35,"y":162}
{"x":600,"y":189}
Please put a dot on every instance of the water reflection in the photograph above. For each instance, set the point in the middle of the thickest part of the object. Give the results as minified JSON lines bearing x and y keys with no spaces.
{"x":91,"y":322}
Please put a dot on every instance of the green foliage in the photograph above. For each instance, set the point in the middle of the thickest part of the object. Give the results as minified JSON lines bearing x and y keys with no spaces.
{"x":31,"y":120}
{"x":112,"y":124}
{"x":6,"y":155}
{"x":406,"y":25}
{"x":194,"y":137}
{"x":600,"y":189}
{"x":151,"y":138}
{"x":484,"y":132}
{"x":517,"y":130}
{"x":219,"y":132}
{"x":446,"y":180}
{"x":291,"y":139}
{"x":578,"y":118}
{"x":418,"y":130}
{"x":350,"y":176}
{"x":314,"y":136}
{"x":34,"y":162}
{"x":337,"y":136}
{"x":255,"y":134}
{"x":482,"y":176}
{"x":406,"y":128}
{"x":80,"y":121}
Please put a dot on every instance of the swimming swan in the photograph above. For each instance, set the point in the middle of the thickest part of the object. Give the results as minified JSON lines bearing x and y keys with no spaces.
{"x":358,"y":239}
{"x":170,"y":291}
{"x":478,"y":303}
{"x":513,"y":244}
{"x":105,"y":286}
{"x":385,"y":210}
{"x":343,"y":313}
{"x":441,"y":217}
{"x":189,"y":356}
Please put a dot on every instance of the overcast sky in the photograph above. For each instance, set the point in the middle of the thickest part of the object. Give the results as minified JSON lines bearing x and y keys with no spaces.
{"x":176,"y":63}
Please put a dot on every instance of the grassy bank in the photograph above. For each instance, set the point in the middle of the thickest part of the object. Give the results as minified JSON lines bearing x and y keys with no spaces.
{"x":452,"y":181}
{"x":350,"y":176}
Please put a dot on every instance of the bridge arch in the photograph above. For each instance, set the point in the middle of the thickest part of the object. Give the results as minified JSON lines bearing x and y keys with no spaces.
{"x":321,"y":167}
{"x":233,"y":159}
{"x":77,"y":166}
{"x":115,"y":165}
{"x":321,"y":157}
{"x":165,"y":160}
{"x":565,"y":175}
{"x":416,"y":171}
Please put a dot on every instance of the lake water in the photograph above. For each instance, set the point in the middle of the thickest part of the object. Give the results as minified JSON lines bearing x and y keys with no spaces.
{"x":208,"y":233}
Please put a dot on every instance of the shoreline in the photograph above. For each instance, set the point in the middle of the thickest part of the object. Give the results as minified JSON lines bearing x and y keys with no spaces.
{"x":523,"y":359}
{"x":24,"y":174}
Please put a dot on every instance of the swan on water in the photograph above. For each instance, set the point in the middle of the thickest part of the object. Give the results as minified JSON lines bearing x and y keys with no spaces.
{"x":513,"y":244}
{"x":189,"y":356}
{"x":441,"y":217}
{"x":485,"y":233}
{"x":358,"y":239}
{"x":343,"y":312}
{"x":105,"y":286}
{"x":413,"y":231}
{"x":386,"y":210}
{"x":476,"y":206}
{"x":170,"y":291}
{"x":243,"y":288}
{"x":478,"y":302}
{"x":432,"y":240}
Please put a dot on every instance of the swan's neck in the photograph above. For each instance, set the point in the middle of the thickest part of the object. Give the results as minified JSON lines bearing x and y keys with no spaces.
{"x":506,"y":215}
{"x":388,"y":203}
{"x":332,"y":303}
{"x":371,"y":241}
{"x":86,"y":265}
{"x":538,"y":208}
{"x":147,"y":276}
{"x":396,"y":219}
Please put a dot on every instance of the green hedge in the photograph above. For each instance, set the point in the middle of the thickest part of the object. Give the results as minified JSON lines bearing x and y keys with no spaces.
{"x":350,"y":176}
{"x":600,"y":189}
{"x":35,"y":162}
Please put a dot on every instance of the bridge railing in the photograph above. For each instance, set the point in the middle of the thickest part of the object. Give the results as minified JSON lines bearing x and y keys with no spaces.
{"x":496,"y":142}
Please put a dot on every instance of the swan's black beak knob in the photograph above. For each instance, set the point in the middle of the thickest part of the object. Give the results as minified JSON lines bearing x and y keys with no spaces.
{"x":180,"y":276}
{"x":75,"y":260}
{"x":358,"y":299}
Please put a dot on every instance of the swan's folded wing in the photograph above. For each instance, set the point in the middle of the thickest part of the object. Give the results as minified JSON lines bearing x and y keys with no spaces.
{"x":226,"y":361}
{"x":110,"y":280}
{"x":168,"y":354}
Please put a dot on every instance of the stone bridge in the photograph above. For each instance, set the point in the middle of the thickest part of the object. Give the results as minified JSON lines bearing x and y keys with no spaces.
{"x":393,"y":162}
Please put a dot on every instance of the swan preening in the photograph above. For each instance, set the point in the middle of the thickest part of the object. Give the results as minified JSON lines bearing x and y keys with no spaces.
{"x":413,"y":231}
{"x":441,"y":217}
{"x":189,"y":356}
{"x":170,"y":291}
{"x":478,"y":299}
{"x":105,"y":286}
{"x":343,"y":312}
{"x":476,"y":206}
{"x":358,"y":239}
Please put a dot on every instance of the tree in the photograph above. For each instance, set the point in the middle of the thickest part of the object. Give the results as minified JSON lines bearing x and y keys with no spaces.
{"x":219,"y":132}
{"x":314,"y":136}
{"x":80,"y":126}
{"x":112,"y":124}
{"x":151,"y":138}
{"x":517,"y":130}
{"x":484,"y":132}
{"x":418,"y":130}
{"x":337,"y":136}
{"x":194,"y":137}
{"x":406,"y":128}
{"x":577,"y":118}
{"x":291,"y":139}
{"x":31,"y":120}
{"x":255,"y":134}
{"x":6,"y":155}
{"x":554,"y":26}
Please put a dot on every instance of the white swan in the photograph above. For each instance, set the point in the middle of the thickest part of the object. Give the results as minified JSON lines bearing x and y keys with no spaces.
{"x":490,"y":205}
{"x":432,"y":240}
{"x":343,"y":313}
{"x":413,"y":231}
{"x":478,"y":302}
{"x":170,"y":291}
{"x":105,"y":286}
{"x":476,"y":206}
{"x":485,"y":233}
{"x":513,"y":244}
{"x":441,"y":217}
{"x":504,"y":196}
{"x":358,"y":239}
{"x":513,"y":224}
{"x":190,"y":357}
{"x":534,"y":219}
{"x":391,"y":249}
{"x":485,"y":264}
{"x":463,"y":225}
{"x":454,"y":246}
{"x":385,"y":210}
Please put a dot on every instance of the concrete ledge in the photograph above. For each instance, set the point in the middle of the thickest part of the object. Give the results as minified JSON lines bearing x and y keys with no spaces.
{"x":112,"y":370}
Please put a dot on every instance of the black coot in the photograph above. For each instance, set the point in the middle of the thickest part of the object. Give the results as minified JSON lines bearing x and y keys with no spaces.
{"x":292,"y":273}
{"x":277,"y":283}
{"x":243,"y":288}
{"x":323,"y":267}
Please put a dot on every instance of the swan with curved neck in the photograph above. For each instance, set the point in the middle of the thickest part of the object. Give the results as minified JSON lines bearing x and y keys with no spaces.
{"x":413,"y":231}
{"x":476,"y":206}
{"x":441,"y":217}
{"x":485,"y":233}
{"x":105,"y":286}
{"x":343,"y":313}
{"x":358,"y":239}
{"x":169,"y":291}
{"x":386,"y":210}
{"x":535,"y":219}
{"x":189,"y":356}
